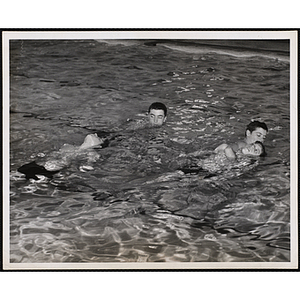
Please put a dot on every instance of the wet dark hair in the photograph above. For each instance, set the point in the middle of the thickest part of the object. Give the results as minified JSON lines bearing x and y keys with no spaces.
{"x":158,"y":105}
{"x":264,"y":153}
{"x":256,"y":124}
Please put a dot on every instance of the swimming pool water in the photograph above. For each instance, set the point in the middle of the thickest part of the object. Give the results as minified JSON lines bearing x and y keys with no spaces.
{"x":134,"y":206}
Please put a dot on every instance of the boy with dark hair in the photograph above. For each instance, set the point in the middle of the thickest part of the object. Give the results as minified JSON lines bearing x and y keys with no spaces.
{"x":157,"y":114}
{"x":256,"y":130}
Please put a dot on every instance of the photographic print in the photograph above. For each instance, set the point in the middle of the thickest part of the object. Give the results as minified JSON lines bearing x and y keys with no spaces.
{"x":150,"y":149}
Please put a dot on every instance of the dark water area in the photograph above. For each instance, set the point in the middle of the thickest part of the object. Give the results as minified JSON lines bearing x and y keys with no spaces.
{"x":132,"y":204}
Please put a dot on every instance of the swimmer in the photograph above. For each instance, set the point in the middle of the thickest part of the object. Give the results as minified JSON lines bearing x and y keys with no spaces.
{"x":157,"y":116}
{"x":243,"y":157}
{"x":255,"y":132}
{"x":58,"y":160}
{"x":222,"y":161}
{"x":62,"y":158}
{"x":255,"y":149}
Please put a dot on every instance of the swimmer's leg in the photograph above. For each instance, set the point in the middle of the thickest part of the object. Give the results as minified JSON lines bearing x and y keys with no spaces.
{"x":32,"y":169}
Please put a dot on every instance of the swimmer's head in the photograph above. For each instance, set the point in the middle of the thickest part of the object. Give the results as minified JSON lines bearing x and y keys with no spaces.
{"x":157,"y":114}
{"x":256,"y":149}
{"x":256,"y":131}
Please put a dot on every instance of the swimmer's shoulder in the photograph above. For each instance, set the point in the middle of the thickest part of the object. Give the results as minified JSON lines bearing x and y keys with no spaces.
{"x":137,"y":124}
{"x":234,"y":146}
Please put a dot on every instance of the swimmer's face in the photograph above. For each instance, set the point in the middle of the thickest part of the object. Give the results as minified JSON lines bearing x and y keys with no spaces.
{"x":257,"y":135}
{"x":253,"y":149}
{"x":157,"y":117}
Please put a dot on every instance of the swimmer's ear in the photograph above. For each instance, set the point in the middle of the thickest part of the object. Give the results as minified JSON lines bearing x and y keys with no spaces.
{"x":248,"y":132}
{"x":165,"y":118}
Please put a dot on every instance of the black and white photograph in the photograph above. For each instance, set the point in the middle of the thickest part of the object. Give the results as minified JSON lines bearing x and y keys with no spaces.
{"x":150,"y":150}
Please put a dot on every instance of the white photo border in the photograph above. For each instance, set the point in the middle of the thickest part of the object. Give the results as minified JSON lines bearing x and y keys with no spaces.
{"x":291,"y":35}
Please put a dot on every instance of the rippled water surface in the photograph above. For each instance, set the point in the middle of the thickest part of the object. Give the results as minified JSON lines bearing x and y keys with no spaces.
{"x":134,"y":206}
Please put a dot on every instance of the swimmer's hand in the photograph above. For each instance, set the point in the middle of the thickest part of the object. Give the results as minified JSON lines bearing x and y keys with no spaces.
{"x":90,"y":141}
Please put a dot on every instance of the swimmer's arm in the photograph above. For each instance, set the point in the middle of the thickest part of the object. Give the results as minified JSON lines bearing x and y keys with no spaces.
{"x":230,"y":153}
{"x":221,"y":148}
